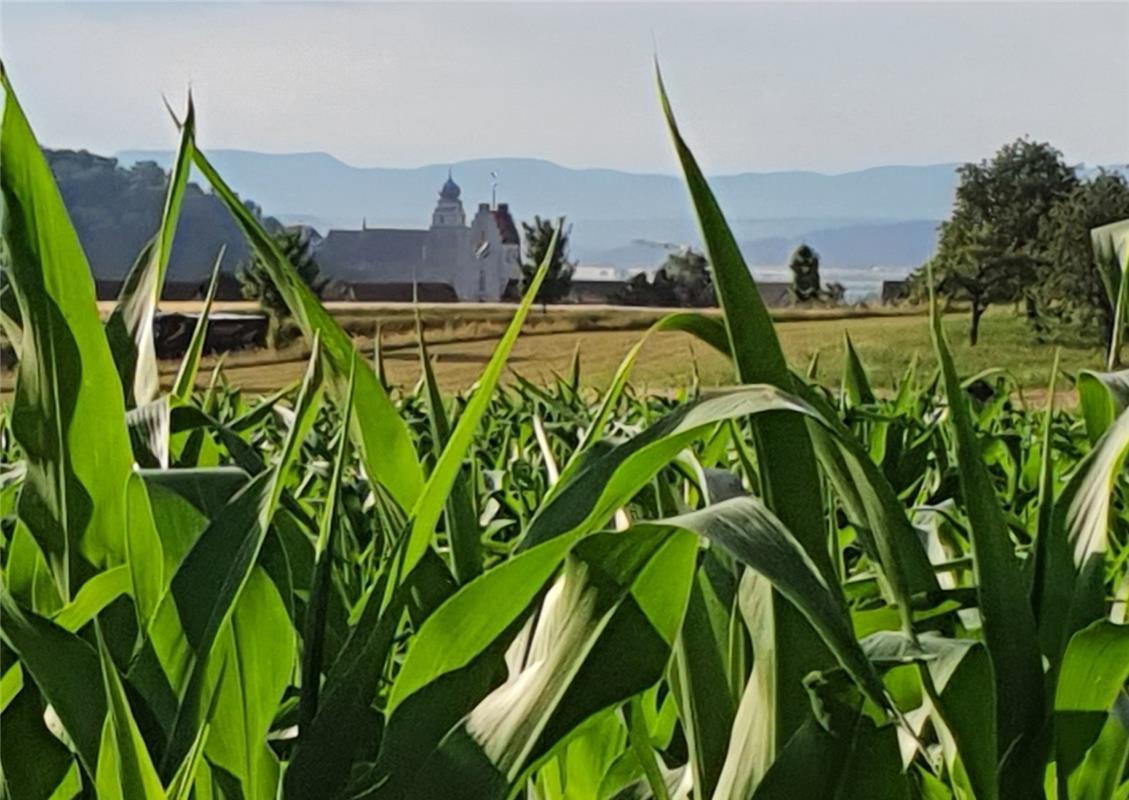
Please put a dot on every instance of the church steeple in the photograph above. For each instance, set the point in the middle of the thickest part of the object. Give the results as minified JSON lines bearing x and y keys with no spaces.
{"x":449,"y":210}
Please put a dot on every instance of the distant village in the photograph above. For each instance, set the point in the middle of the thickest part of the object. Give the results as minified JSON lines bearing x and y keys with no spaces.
{"x":456,"y":258}
{"x":452,"y":260}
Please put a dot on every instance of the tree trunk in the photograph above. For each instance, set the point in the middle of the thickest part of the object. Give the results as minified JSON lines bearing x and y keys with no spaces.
{"x":974,"y":327}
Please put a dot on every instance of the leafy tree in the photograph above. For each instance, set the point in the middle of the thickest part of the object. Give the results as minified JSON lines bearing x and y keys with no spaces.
{"x":537,"y":235}
{"x":974,"y":265}
{"x":1070,"y":291}
{"x":834,"y":293}
{"x":255,"y":283}
{"x":805,"y":274}
{"x":989,"y":248}
{"x":687,"y":279}
{"x":684,"y":279}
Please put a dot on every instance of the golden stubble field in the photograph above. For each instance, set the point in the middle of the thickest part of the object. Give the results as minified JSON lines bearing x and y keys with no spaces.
{"x":461,"y":339}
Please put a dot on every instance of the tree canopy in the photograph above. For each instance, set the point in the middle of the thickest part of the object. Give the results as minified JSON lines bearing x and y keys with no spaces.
{"x":537,"y":235}
{"x":989,"y":248}
{"x":1070,"y":291}
{"x":804,"y":264}
{"x":255,"y":283}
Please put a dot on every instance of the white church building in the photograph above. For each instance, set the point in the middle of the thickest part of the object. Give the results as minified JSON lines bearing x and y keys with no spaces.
{"x":477,"y":260}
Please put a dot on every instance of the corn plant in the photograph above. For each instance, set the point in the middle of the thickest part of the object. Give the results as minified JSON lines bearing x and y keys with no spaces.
{"x":343,"y":590}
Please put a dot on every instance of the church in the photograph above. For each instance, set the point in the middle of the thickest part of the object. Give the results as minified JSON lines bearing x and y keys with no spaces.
{"x":478,"y":261}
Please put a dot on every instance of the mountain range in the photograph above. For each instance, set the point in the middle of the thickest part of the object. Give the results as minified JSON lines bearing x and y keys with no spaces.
{"x":883,"y":218}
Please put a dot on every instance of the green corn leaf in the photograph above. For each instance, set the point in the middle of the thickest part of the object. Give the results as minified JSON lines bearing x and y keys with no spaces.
{"x":841,"y":754}
{"x":604,"y":484}
{"x":347,"y":729}
{"x":182,"y":784}
{"x":432,"y":500}
{"x":381,"y":434}
{"x":453,"y":636}
{"x":209,"y":580}
{"x":64,"y":668}
{"x":705,"y":328}
{"x":130,"y":326}
{"x":1006,"y":616}
{"x":260,"y":647}
{"x":36,"y":764}
{"x":11,"y":684}
{"x":27,"y":576}
{"x":786,"y":462}
{"x":148,"y":426}
{"x":856,"y":384}
{"x":957,"y":678}
{"x":885,"y":531}
{"x":604,"y":633}
{"x":97,"y":593}
{"x":1095,"y":668}
{"x":462,"y":526}
{"x":701,"y":686}
{"x":1073,"y":594}
{"x":1102,"y":396}
{"x":125,"y":770}
{"x":313,"y":638}
{"x":749,"y":532}
{"x":1111,"y":258}
{"x":190,"y":364}
{"x":68,"y":415}
{"x":1103,"y":768}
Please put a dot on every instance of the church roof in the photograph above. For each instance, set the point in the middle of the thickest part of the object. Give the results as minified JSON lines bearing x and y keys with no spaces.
{"x":505,"y":223}
{"x":376,"y":253}
{"x":450,"y":190}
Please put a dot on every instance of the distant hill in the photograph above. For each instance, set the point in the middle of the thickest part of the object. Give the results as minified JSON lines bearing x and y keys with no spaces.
{"x":319,"y":185}
{"x":884,"y":215}
{"x":879,"y":221}
{"x":116,"y":210}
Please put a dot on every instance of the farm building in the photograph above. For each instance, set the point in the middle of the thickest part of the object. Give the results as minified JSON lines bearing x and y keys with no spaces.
{"x":893,"y":292}
{"x":476,"y":260}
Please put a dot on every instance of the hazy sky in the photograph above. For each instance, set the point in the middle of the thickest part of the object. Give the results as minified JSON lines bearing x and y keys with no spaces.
{"x":765,"y":86}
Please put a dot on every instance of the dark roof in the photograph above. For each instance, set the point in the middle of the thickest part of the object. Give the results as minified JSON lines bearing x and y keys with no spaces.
{"x":506,"y":225}
{"x":374,"y":253}
{"x":430,"y":292}
{"x":227,"y":288}
{"x":450,"y":190}
{"x":893,"y":291}
{"x":775,"y":294}
{"x":596,"y":291}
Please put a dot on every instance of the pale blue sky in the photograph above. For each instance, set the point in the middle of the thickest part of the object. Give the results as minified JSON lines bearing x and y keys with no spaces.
{"x":823,"y":86}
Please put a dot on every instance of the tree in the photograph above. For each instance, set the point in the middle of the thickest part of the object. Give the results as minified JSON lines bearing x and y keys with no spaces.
{"x":805,"y":274}
{"x":685,"y":275}
{"x":989,"y":247}
{"x":974,"y":265}
{"x":558,"y":280}
{"x":1070,"y":291}
{"x":834,"y":293}
{"x":255,"y":283}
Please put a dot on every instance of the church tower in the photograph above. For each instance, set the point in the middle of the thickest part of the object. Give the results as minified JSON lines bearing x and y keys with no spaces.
{"x":449,"y":210}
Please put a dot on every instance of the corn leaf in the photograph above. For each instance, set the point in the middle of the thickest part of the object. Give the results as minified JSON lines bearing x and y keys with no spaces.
{"x":1006,"y":616}
{"x":785,"y":459}
{"x":1095,"y":667}
{"x":382,"y":435}
{"x":432,"y":500}
{"x":125,"y":770}
{"x":64,"y":668}
{"x":130,"y":326}
{"x":1102,"y":396}
{"x":68,"y":415}
{"x":190,"y":364}
{"x":603,"y":634}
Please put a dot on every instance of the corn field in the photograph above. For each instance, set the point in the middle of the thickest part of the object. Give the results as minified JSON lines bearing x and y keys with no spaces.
{"x":341,"y":590}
